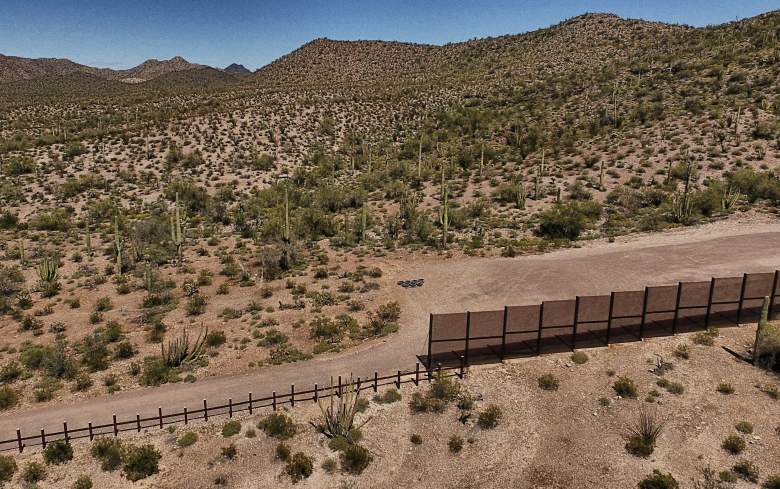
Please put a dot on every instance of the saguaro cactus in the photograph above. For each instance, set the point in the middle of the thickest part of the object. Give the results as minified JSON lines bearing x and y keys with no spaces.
{"x":88,"y":239}
{"x":444,"y":213}
{"x":177,"y":235}
{"x":601,"y":176}
{"x":119,"y":246}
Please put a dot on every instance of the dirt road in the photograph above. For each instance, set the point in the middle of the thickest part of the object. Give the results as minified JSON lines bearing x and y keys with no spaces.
{"x":724,"y":249}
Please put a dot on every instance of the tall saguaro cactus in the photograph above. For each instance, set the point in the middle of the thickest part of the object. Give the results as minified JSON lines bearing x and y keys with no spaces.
{"x":119,"y":246}
{"x":177,"y":235}
{"x":444,"y":212}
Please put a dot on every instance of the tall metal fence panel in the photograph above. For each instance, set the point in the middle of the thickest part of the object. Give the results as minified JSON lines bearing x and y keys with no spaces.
{"x":590,"y":321}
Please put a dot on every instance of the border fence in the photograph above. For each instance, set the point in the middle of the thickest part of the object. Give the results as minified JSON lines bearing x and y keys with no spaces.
{"x":250,"y":405}
{"x":598,"y":320}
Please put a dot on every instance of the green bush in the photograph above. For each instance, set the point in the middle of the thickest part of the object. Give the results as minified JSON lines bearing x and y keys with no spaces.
{"x":388,"y":397}
{"x":416,"y":439}
{"x":109,"y":452}
{"x":8,"y":398}
{"x":488,"y":419}
{"x":231,"y":428}
{"x":744,"y":427}
{"x":187,"y":439}
{"x":57,"y":452}
{"x":283,"y":452}
{"x":746,"y":470}
{"x":155,"y":372}
{"x":141,"y":462}
{"x":658,"y":480}
{"x":567,"y":220}
{"x":355,"y":459}
{"x":455,"y":444}
{"x":734,"y":444}
{"x":772,"y":482}
{"x":83,"y":482}
{"x":625,"y":387}
{"x":548,"y":382}
{"x":299,"y":467}
{"x":579,"y":357}
{"x":7,"y":468}
{"x":33,"y":472}
{"x":278,"y":425}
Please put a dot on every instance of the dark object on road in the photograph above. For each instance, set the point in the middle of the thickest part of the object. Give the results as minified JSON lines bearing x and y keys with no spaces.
{"x":411,"y":283}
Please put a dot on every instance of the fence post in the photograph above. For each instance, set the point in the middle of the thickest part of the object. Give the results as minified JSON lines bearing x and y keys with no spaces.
{"x":89,"y":427}
{"x":677,"y":308}
{"x":376,"y":381}
{"x":574,"y":326}
{"x":205,"y":411}
{"x":292,"y":395}
{"x":468,"y":333}
{"x":741,"y":298}
{"x":19,"y":439}
{"x":539,"y":337}
{"x":774,"y":293}
{"x":609,"y":316}
{"x":430,"y":340}
{"x":417,"y":373}
{"x":159,"y":416}
{"x":398,"y":380}
{"x":339,"y":386}
{"x":230,"y":407}
{"x":316,"y":393}
{"x":250,"y":403}
{"x":462,"y":367}
{"x":186,"y":420}
{"x":43,"y":438}
{"x":116,"y":429}
{"x":273,"y":402}
{"x":65,"y":431}
{"x":138,"y":422}
{"x":709,"y":303}
{"x":503,"y":334}
{"x":644,"y":314}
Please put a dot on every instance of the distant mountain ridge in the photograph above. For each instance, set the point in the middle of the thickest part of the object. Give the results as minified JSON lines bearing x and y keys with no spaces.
{"x":14,"y":68}
{"x":238,"y":69}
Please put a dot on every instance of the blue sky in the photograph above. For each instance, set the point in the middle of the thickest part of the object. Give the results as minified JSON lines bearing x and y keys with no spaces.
{"x":121,"y":34}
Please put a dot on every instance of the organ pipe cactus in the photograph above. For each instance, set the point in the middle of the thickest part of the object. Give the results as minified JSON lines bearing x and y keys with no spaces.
{"x":444,"y":212}
{"x":181,"y":351}
{"x":338,"y":419}
{"x":48,"y":269}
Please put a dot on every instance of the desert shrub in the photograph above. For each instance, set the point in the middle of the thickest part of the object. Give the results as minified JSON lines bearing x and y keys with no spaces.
{"x":83,"y":482}
{"x":643,"y":434}
{"x":567,"y":220}
{"x":725,"y":388}
{"x":746,"y":470}
{"x":455,"y":444}
{"x":706,"y":338}
{"x":745,"y":427}
{"x":579,"y":357}
{"x":278,"y":425}
{"x":772,"y":482}
{"x":187,"y":439}
{"x":625,"y":387}
{"x":141,"y":462}
{"x":231,"y":428}
{"x":488,"y":419}
{"x":444,"y":388}
{"x":658,"y":480}
{"x":108,"y":451}
{"x":299,"y":467}
{"x":548,"y":382}
{"x":388,"y":397}
{"x":8,"y":397}
{"x":33,"y":472}
{"x":196,"y":305}
{"x":230,"y":452}
{"x":355,"y":459}
{"x":57,"y":452}
{"x":283,"y":452}
{"x":10,"y":372}
{"x":416,"y":439}
{"x":155,"y":372}
{"x":7,"y":468}
{"x":734,"y":444}
{"x":215,"y":339}
{"x":328,"y":465}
